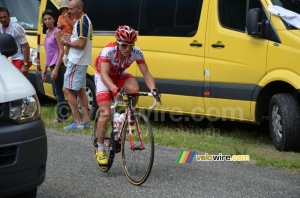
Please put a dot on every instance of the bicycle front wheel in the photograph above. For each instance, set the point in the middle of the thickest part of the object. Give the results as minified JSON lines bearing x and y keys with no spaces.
{"x":107,"y":142}
{"x":137,"y":152}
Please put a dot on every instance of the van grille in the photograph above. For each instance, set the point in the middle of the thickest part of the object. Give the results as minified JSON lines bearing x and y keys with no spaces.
{"x":8,"y":155}
{"x":4,"y":111}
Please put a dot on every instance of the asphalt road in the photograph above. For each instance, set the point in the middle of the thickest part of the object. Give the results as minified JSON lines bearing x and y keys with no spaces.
{"x":73,"y":172}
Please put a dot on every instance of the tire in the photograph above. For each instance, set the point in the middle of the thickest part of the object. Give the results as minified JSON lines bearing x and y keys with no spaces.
{"x":137,"y":164}
{"x":284,"y":122}
{"x":110,"y":153}
{"x":91,"y":97}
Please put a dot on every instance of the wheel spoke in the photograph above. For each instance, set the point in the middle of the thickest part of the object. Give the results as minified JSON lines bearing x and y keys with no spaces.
{"x":276,"y":123}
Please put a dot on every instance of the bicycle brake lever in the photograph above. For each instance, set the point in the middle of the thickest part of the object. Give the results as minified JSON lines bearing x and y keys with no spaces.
{"x":121,"y":91}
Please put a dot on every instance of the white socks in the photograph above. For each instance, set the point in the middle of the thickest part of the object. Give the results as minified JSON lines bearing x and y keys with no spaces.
{"x":101,"y":147}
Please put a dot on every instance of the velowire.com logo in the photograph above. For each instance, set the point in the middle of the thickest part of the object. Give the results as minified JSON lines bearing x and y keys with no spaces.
{"x":188,"y":156}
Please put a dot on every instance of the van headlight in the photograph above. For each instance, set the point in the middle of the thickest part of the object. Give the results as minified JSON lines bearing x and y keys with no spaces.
{"x":33,"y":56}
{"x":25,"y":110}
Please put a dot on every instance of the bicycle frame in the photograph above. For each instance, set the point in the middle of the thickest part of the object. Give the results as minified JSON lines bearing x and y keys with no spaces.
{"x":128,"y":115}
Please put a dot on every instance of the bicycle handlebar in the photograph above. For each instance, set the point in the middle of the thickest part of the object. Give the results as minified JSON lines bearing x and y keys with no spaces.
{"x":116,"y":103}
{"x":154,"y":103}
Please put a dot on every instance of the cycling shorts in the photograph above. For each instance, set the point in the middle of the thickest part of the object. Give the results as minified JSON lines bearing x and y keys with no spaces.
{"x":103,"y":94}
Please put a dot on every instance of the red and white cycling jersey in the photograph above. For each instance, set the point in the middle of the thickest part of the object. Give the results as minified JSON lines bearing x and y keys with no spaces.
{"x":109,"y":54}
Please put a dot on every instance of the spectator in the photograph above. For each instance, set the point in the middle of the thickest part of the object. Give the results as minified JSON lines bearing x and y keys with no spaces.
{"x":54,"y":53}
{"x":79,"y":56}
{"x":21,"y":59}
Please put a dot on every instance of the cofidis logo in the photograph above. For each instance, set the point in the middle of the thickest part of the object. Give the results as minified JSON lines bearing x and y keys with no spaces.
{"x":188,"y":156}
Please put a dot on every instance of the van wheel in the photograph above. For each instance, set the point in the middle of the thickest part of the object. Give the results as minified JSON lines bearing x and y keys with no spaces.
{"x":284,"y":122}
{"x":91,"y":97}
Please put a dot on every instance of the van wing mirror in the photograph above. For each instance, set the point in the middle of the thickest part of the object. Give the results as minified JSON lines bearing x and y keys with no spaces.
{"x":260,"y":28}
{"x":8,"y":45}
{"x":254,"y":23}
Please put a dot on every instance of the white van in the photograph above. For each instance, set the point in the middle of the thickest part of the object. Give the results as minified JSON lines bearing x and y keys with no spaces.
{"x":23,"y":141}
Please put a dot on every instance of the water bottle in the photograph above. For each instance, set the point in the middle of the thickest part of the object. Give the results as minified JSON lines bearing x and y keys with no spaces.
{"x":121,"y":120}
{"x":116,"y":122}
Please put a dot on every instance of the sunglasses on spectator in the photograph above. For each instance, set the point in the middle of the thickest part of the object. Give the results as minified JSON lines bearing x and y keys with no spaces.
{"x":125,"y":45}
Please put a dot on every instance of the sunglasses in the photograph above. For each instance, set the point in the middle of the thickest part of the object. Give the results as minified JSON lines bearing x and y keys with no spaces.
{"x":125,"y":45}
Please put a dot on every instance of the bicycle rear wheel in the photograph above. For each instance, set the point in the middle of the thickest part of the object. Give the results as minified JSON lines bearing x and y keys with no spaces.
{"x":137,"y":161}
{"x":107,"y":142}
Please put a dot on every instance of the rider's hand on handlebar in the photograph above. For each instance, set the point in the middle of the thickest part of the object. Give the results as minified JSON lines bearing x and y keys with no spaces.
{"x":116,"y":93}
{"x":156,"y":95}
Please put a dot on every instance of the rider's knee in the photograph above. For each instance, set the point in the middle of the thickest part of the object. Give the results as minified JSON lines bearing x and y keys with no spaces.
{"x":131,"y":85}
{"x":104,"y":118}
{"x":132,"y":88}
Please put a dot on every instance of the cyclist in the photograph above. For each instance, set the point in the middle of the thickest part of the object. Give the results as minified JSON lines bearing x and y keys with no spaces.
{"x":111,"y":74}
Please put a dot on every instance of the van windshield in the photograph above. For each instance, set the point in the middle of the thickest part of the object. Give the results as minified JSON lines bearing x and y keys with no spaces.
{"x":288,"y":4}
{"x":292,"y":5}
{"x":24,"y":12}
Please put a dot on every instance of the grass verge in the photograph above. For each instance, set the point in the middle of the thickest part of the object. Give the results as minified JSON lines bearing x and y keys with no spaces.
{"x":228,"y":138}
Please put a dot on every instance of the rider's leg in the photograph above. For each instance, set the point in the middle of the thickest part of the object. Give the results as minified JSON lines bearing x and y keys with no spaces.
{"x":103,"y":96}
{"x":104,"y":118}
{"x":132,"y":86}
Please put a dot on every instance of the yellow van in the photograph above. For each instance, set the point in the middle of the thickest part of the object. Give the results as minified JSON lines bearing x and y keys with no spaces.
{"x":220,"y":59}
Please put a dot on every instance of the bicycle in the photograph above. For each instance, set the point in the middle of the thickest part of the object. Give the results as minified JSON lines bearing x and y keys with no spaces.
{"x":134,"y":140}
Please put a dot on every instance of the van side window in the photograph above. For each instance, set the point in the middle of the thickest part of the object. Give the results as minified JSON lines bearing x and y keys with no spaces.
{"x":170,"y":17}
{"x":232,"y":14}
{"x":108,"y":15}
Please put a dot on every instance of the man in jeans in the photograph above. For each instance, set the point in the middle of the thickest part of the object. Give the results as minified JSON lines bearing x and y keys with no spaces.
{"x":21,"y":59}
{"x":79,"y":56}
